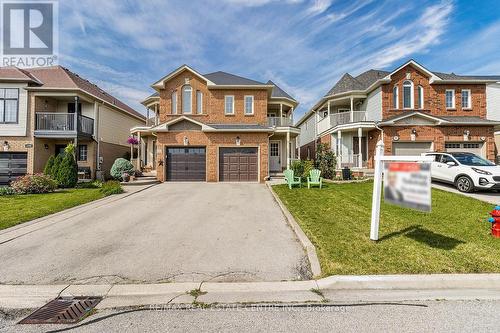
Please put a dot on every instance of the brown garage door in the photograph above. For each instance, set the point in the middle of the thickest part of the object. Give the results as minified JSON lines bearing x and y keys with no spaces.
{"x":186,"y":164}
{"x":238,"y":164}
{"x":12,"y":165}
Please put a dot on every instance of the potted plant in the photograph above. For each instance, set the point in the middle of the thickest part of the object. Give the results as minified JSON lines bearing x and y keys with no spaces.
{"x":125,"y":177}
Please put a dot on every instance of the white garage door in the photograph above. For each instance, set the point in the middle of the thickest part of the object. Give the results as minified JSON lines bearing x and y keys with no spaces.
{"x":468,"y":147}
{"x":410,"y":148}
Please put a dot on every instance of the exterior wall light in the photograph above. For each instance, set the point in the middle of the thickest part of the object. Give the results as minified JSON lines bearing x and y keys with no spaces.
{"x":483,"y":138}
{"x":6,"y":146}
{"x":466,"y":135}
{"x":413,"y":135}
{"x":46,"y":146}
{"x":395,"y":138}
{"x":238,"y":141}
{"x":186,"y":141}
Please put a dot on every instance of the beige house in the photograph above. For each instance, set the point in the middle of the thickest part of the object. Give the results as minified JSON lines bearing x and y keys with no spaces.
{"x":43,"y":109}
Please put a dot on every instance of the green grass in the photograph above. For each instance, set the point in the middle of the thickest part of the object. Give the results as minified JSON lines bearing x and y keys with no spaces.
{"x":454,"y":238}
{"x":17,"y":209}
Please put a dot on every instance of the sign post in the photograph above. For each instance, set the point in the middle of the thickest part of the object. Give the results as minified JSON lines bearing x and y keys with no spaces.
{"x":377,"y":185}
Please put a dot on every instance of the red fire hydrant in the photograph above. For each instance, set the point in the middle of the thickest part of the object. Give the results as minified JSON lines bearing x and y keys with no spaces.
{"x":495,"y":222}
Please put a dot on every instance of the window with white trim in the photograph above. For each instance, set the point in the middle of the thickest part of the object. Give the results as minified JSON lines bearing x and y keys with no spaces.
{"x":199,"y":102}
{"x":82,"y":152}
{"x":407,"y":95}
{"x":229,"y":104}
{"x":420,"y":92}
{"x":9,"y":106}
{"x":248,"y":105}
{"x":187,"y":98}
{"x":466,"y":99}
{"x":395,"y":97}
{"x":450,"y":98}
{"x":174,"y":102}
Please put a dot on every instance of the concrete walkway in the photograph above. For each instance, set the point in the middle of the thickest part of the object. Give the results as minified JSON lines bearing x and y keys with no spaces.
{"x":171,"y":232}
{"x":490,"y":197}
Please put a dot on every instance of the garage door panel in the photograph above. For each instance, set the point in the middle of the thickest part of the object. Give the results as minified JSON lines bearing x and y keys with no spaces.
{"x":238,"y":164}
{"x":410,"y":148}
{"x":467,"y":147}
{"x":186,"y":164}
{"x":12,"y":165}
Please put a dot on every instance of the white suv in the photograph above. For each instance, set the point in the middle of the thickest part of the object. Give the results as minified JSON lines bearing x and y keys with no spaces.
{"x":467,"y":171}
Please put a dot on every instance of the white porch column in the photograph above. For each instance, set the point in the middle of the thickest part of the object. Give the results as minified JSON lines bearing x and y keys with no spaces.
{"x":156,"y":114}
{"x":147,"y":116}
{"x":352,"y":109}
{"x":288,"y":149}
{"x":139,"y":151}
{"x":328,"y":108}
{"x":291,"y":116}
{"x":281,"y":114}
{"x":360,"y":150}
{"x":339,"y":149}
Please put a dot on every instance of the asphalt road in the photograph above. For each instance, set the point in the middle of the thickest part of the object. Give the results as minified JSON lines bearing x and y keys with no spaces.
{"x":434,"y":316}
{"x":486,"y":196}
{"x":170,"y":232}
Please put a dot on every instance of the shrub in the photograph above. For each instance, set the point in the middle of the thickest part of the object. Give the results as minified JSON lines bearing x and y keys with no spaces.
{"x":111,"y":187}
{"x":121,"y":166}
{"x":49,"y":165}
{"x":326,"y":161}
{"x":55,"y":167}
{"x":301,"y":168}
{"x":5,"y":190}
{"x":67,"y":172}
{"x":37,"y":183}
{"x":94,"y":184}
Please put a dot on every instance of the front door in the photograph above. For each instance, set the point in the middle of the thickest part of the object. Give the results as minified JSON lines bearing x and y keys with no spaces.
{"x":355,"y":146}
{"x":275,"y":155}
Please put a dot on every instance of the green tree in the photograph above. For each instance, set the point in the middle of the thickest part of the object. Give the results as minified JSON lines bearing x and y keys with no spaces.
{"x":49,"y":165}
{"x":326,"y":161}
{"x":67,"y":172}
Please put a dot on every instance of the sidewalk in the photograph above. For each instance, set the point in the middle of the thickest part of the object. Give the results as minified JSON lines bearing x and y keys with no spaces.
{"x":334,"y":289}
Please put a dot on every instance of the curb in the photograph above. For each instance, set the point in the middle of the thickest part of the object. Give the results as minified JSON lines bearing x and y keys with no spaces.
{"x":332,"y":289}
{"x":28,"y":227}
{"x":304,"y":240}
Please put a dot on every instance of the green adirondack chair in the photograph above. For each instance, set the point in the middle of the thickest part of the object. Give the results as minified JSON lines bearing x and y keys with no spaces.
{"x":290,"y":179}
{"x":314,"y":178}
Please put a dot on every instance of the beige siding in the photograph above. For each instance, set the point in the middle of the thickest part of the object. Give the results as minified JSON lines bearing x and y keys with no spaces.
{"x":114,"y":126}
{"x":19,"y":129}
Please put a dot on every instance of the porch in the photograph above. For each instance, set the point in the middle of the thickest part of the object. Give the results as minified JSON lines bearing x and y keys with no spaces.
{"x":351,"y":147}
{"x":282,"y":151}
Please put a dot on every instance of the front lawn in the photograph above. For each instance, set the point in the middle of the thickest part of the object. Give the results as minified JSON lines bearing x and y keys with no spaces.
{"x":20,"y":208}
{"x":454,"y":238}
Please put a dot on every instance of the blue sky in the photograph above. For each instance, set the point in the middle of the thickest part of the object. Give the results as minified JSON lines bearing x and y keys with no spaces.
{"x":303,"y":46}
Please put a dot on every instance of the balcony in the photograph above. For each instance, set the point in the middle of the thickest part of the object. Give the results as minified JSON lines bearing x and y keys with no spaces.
{"x":279,"y":122}
{"x":62,"y":125}
{"x":341,"y":118}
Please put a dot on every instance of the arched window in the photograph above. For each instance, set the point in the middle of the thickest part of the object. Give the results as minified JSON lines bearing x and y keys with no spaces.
{"x":420,"y":101}
{"x":395,"y":97}
{"x":408,"y":95}
{"x":199,"y":102}
{"x":174,"y":102}
{"x":187,"y":93}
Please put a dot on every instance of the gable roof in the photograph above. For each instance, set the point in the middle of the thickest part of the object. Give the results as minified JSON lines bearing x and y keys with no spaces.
{"x":58,"y":77}
{"x":228,"y":79}
{"x":279,"y":93}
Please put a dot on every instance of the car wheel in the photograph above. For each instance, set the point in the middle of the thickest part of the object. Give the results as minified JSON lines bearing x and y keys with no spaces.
{"x":464,"y":184}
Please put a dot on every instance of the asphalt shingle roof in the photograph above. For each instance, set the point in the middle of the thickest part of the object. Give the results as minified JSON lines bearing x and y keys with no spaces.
{"x":61,"y":77}
{"x":453,"y":76}
{"x":223,"y":79}
{"x":348,"y":83}
{"x":278,"y":92}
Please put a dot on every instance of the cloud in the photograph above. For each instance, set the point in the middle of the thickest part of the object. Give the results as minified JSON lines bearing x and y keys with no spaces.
{"x":319,"y":6}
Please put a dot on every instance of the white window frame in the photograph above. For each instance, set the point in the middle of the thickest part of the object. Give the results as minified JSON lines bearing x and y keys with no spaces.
{"x":199,"y":102}
{"x":412,"y":103}
{"x":395,"y":97}
{"x":469,"y":99}
{"x":187,"y":89}
{"x":225,"y":105}
{"x":3,"y":101}
{"x":173,"y":98}
{"x":245,"y":106}
{"x":420,"y":92}
{"x":452,"y":99}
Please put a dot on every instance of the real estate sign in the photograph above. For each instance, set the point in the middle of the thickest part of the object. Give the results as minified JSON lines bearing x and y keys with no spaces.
{"x":408,"y":184}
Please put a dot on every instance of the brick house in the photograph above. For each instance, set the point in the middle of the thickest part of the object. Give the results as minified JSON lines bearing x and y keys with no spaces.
{"x":216,"y":127}
{"x":413,"y":109}
{"x":43,"y":109}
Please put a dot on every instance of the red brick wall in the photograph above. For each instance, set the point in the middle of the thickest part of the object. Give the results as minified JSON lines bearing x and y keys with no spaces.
{"x":312,"y":151}
{"x":212,"y":142}
{"x":434,"y":96}
{"x":213,"y":102}
{"x":437,"y":134}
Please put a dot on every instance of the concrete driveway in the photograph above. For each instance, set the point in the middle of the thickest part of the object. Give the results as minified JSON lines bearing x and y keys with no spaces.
{"x":486,"y":196}
{"x":170,"y":232}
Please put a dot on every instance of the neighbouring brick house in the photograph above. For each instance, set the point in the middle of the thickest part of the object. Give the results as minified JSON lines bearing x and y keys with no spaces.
{"x":216,"y":127}
{"x":43,"y":109}
{"x":413,"y":109}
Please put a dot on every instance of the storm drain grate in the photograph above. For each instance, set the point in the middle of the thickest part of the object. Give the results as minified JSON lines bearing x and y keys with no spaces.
{"x":62,"y":310}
